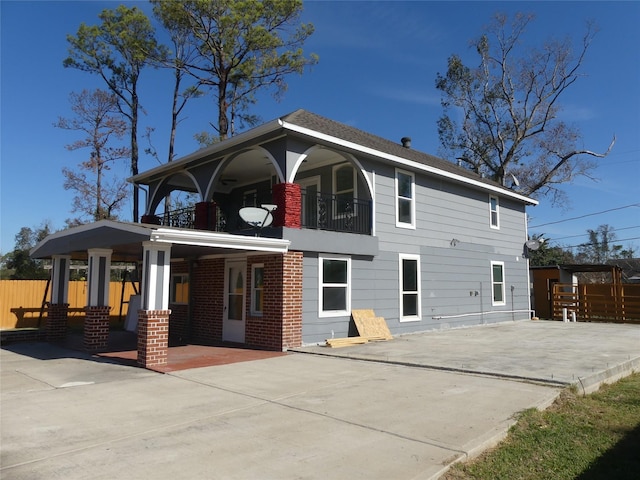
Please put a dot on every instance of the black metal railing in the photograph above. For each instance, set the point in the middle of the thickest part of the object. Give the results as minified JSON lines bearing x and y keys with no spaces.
{"x":320,"y":211}
{"x":337,"y":213}
{"x":186,"y":218}
{"x":181,"y":218}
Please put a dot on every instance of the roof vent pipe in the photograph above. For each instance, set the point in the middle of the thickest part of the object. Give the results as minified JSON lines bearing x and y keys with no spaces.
{"x":406,"y":142}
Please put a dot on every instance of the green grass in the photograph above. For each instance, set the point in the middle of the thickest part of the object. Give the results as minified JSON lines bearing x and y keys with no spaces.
{"x":579,"y":437}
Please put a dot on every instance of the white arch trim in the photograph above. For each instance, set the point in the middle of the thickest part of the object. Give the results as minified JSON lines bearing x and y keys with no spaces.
{"x":223,"y":164}
{"x":154,"y":192}
{"x":347,"y":156}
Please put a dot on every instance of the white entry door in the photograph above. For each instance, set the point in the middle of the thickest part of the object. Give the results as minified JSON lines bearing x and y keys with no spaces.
{"x":233,"y":323}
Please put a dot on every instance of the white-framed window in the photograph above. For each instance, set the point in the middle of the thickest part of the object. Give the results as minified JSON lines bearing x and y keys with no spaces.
{"x":344,"y":189}
{"x":179,"y":288}
{"x":497,"y":284}
{"x":257,"y":288}
{"x":494,"y":211}
{"x":334,"y":279}
{"x":405,"y":199}
{"x":410,"y":291}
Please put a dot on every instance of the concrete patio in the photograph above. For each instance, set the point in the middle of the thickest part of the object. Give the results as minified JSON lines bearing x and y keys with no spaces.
{"x":401,"y":409}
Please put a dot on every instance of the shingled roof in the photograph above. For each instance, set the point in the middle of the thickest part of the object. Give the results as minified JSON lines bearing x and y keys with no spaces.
{"x":312,"y":121}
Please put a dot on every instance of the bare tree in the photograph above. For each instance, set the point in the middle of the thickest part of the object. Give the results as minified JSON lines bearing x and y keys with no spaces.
{"x":508,"y":110}
{"x":97,"y":118}
{"x":117,"y":50}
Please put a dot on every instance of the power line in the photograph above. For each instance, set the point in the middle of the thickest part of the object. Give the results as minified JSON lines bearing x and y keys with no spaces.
{"x":586,"y":215}
{"x":616,"y":242}
{"x":585,"y":234}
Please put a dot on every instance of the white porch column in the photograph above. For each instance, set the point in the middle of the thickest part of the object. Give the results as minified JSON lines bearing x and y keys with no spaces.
{"x":99,"y":276}
{"x":60,"y":279}
{"x":155,"y":276}
{"x":153,"y":316}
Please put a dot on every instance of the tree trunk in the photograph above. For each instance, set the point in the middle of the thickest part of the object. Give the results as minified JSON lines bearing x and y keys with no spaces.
{"x":134,"y":149}
{"x":223,"y":120}
{"x":174,"y":126}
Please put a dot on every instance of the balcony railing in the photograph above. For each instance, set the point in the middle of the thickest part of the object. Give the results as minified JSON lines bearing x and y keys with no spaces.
{"x":186,"y":218}
{"x":320,"y":211}
{"x":337,"y":213}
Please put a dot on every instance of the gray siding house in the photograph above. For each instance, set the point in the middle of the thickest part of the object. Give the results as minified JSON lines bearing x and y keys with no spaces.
{"x":359,"y":222}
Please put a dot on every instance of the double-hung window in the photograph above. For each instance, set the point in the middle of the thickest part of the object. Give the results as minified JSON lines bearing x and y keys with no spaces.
{"x":405,"y":199}
{"x":494,"y":211}
{"x":335,"y":286}
{"x":497,"y":283}
{"x":257,"y":289}
{"x":410,"y":301}
{"x":179,"y":288}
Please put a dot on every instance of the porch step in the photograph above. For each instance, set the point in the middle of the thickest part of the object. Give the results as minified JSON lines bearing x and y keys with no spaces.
{"x":15,"y":335}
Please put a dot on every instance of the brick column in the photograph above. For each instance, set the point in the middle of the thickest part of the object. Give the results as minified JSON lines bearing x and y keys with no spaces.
{"x":153,"y":338}
{"x":56,"y":325}
{"x":96,"y":328}
{"x":205,"y":216}
{"x":288,"y":197}
{"x":291,"y":300}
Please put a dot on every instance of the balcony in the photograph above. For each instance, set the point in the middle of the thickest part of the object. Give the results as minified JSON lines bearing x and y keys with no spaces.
{"x":336,"y":213}
{"x":320,"y":211}
{"x":186,"y":218}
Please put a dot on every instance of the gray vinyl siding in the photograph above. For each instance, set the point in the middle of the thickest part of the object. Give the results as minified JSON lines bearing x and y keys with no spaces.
{"x":456,"y":245}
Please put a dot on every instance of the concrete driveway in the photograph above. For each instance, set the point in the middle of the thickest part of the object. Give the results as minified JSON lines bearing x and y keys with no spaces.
{"x":299,"y":416}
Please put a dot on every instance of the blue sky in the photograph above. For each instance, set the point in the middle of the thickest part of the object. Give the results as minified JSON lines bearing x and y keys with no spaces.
{"x":377,"y":70}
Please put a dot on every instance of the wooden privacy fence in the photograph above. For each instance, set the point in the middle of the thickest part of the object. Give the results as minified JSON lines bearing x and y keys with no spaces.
{"x":598,"y":302}
{"x":21,"y":301}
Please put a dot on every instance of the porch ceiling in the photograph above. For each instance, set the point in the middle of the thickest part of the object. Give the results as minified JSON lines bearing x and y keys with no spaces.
{"x":125,"y":239}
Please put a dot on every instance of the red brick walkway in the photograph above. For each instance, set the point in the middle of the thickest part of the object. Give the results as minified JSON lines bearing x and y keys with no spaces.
{"x":195,"y":356}
{"x":122,"y":349}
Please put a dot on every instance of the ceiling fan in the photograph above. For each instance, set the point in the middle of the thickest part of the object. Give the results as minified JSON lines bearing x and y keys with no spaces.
{"x":227,"y":181}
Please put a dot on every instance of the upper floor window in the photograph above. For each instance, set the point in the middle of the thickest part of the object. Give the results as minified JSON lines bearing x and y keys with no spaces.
{"x":179,"y":288}
{"x":497,"y":283}
{"x":335,"y":286}
{"x":494,"y":211}
{"x":405,"y":200}
{"x":410,"y":304}
{"x":344,"y":188}
{"x":257,"y":288}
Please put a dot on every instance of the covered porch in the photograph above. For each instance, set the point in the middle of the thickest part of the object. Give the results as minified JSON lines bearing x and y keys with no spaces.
{"x":159,"y":252}
{"x":121,"y":348}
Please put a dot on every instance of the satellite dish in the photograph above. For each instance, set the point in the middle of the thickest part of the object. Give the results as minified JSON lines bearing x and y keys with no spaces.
{"x":533,"y":244}
{"x":256,"y":217}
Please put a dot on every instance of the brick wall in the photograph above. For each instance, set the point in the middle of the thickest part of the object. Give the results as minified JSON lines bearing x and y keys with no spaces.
{"x":280,"y":326}
{"x":292,"y":300}
{"x":207,"y":284}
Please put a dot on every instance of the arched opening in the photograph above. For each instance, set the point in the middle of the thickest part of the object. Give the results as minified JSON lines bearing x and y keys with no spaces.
{"x":336,"y":192}
{"x":171,"y":201}
{"x":245,"y":179}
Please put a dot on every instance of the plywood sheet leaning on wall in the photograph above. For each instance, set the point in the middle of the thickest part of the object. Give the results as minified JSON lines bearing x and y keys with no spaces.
{"x":369,"y":326}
